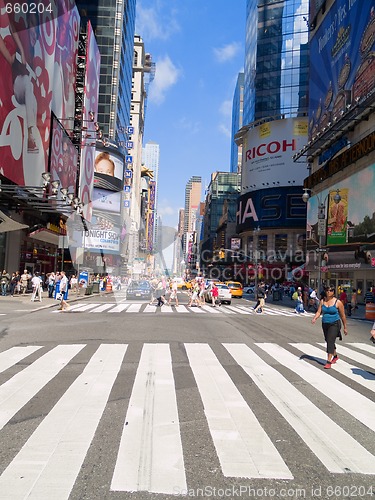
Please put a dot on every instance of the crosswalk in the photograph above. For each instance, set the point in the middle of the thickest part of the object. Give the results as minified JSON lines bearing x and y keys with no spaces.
{"x":151,"y":454}
{"x":138,"y":307}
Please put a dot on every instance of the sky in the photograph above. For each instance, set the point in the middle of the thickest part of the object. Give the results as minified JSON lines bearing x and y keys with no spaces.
{"x":198,"y":49}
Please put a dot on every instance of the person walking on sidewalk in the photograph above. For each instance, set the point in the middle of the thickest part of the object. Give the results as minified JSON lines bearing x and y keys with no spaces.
{"x":63,"y":289}
{"x":37,"y":288}
{"x":332,"y":310}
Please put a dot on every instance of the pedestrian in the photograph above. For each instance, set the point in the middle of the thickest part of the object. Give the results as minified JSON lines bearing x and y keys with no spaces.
{"x":372,"y":338}
{"x":74,"y":284}
{"x":215,"y":295}
{"x":332,"y":310}
{"x":369,"y":296}
{"x":314,"y":299}
{"x":354,"y":300}
{"x":12,"y":284}
{"x":159,"y":294}
{"x":194,"y":298}
{"x":298,"y":297}
{"x":37,"y":288}
{"x":25,"y":281}
{"x":173,"y":295}
{"x":63,"y":289}
{"x":344,"y":299}
{"x":51,"y":284}
{"x":5,"y":279}
{"x":261,"y":298}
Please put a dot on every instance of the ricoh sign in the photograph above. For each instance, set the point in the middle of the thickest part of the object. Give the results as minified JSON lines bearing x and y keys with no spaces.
{"x":269,"y":148}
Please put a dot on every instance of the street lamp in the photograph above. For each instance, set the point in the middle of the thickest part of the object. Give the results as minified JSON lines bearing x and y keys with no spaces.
{"x":255,"y":248}
{"x":321,"y":222}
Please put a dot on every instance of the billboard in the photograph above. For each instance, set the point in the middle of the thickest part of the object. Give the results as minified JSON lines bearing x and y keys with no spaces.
{"x":342,"y":62}
{"x":108,"y":169}
{"x":90,"y":105}
{"x":350,"y":224}
{"x":271,"y":208}
{"x":37,"y":47}
{"x":63,"y":158}
{"x":106,"y":201}
{"x":267,"y":154}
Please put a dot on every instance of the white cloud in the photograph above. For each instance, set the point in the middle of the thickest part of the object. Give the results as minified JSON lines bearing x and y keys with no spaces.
{"x":155,"y":22}
{"x":166,"y":75}
{"x":224,"y":129}
{"x":226,"y":108}
{"x":190,"y":126}
{"x":227,"y":52}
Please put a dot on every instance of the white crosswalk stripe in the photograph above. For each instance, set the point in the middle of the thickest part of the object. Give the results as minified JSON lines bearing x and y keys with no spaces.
{"x":151,"y":453}
{"x":182,"y":308}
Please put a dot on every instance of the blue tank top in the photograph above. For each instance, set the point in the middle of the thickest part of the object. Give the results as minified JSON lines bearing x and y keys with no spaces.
{"x":330,"y":313}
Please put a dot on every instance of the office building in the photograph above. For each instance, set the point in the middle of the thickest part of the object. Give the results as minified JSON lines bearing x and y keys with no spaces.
{"x":237,"y":122}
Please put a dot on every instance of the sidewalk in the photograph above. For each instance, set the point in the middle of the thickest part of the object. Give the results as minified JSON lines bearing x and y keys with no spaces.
{"x":23,"y":302}
{"x":358,"y":314}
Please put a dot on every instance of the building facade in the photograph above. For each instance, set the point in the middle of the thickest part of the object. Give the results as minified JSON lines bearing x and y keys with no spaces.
{"x":271,"y":216}
{"x":341,"y":147}
{"x":237,"y":122}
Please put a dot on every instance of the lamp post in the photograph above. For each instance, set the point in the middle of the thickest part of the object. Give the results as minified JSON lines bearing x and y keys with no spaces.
{"x":255,"y":248}
{"x":322,"y":223}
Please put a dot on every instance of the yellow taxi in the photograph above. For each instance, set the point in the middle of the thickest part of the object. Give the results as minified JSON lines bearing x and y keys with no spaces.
{"x":181,"y":284}
{"x":235,"y":287}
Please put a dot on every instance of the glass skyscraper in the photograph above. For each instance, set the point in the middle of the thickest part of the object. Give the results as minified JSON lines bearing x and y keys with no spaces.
{"x":113,"y":22}
{"x":276,"y":61}
{"x":237,"y":122}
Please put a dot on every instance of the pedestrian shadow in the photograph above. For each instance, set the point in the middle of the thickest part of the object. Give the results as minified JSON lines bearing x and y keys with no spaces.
{"x":308,"y":357}
{"x":363,"y":373}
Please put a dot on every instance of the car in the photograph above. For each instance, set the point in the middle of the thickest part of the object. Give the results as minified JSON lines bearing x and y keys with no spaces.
{"x":235,"y":287}
{"x":139,"y":290}
{"x":181,"y":284}
{"x":248,"y":289}
{"x":225,"y":295}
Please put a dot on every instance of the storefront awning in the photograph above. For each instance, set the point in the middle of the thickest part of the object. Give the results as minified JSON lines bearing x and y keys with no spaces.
{"x":46,"y":236}
{"x":7,"y":224}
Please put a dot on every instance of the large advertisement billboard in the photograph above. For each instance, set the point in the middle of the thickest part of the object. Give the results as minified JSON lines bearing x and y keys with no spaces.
{"x":63,"y":158}
{"x":349,"y":223}
{"x":90,"y":108}
{"x":267,"y":155}
{"x":38,"y":49}
{"x":342,"y":63}
{"x":108,"y":169}
{"x":271,"y":208}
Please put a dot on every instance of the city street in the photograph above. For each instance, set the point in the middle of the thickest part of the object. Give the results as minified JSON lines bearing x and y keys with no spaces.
{"x":113,"y":399}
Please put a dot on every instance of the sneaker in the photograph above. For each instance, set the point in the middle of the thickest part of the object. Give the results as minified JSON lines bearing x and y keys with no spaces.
{"x":372,"y":339}
{"x":327,"y":365}
{"x":334,"y":359}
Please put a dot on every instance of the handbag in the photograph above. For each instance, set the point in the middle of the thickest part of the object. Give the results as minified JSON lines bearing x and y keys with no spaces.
{"x":59,"y":296}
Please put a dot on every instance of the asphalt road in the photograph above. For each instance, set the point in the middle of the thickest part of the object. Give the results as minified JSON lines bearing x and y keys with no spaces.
{"x":130,"y":401}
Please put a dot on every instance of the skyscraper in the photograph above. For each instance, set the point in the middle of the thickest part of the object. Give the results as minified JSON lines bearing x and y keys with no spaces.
{"x":192,"y":199}
{"x":151,"y":157}
{"x":274,"y":129}
{"x":237,"y":122}
{"x":113,"y":22}
{"x":276,"y":59}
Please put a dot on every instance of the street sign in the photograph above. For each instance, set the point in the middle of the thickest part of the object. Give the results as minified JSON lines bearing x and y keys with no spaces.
{"x":321,"y":227}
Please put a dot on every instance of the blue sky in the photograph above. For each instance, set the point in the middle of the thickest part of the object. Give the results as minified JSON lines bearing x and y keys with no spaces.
{"x":198,"y":48}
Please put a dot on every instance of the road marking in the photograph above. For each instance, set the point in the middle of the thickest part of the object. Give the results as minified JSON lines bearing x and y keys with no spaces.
{"x":210,"y":309}
{"x":357,"y":356}
{"x":102,"y":308}
{"x":351,"y":401}
{"x":14,"y":355}
{"x":242,"y":446}
{"x":134,"y":308}
{"x":360,"y":376}
{"x":65,"y":434}
{"x":150,"y":456}
{"x":235,"y":309}
{"x":181,"y":309}
{"x":194,"y":309}
{"x":335,"y":448}
{"x":18,"y":390}
{"x":119,"y":308}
